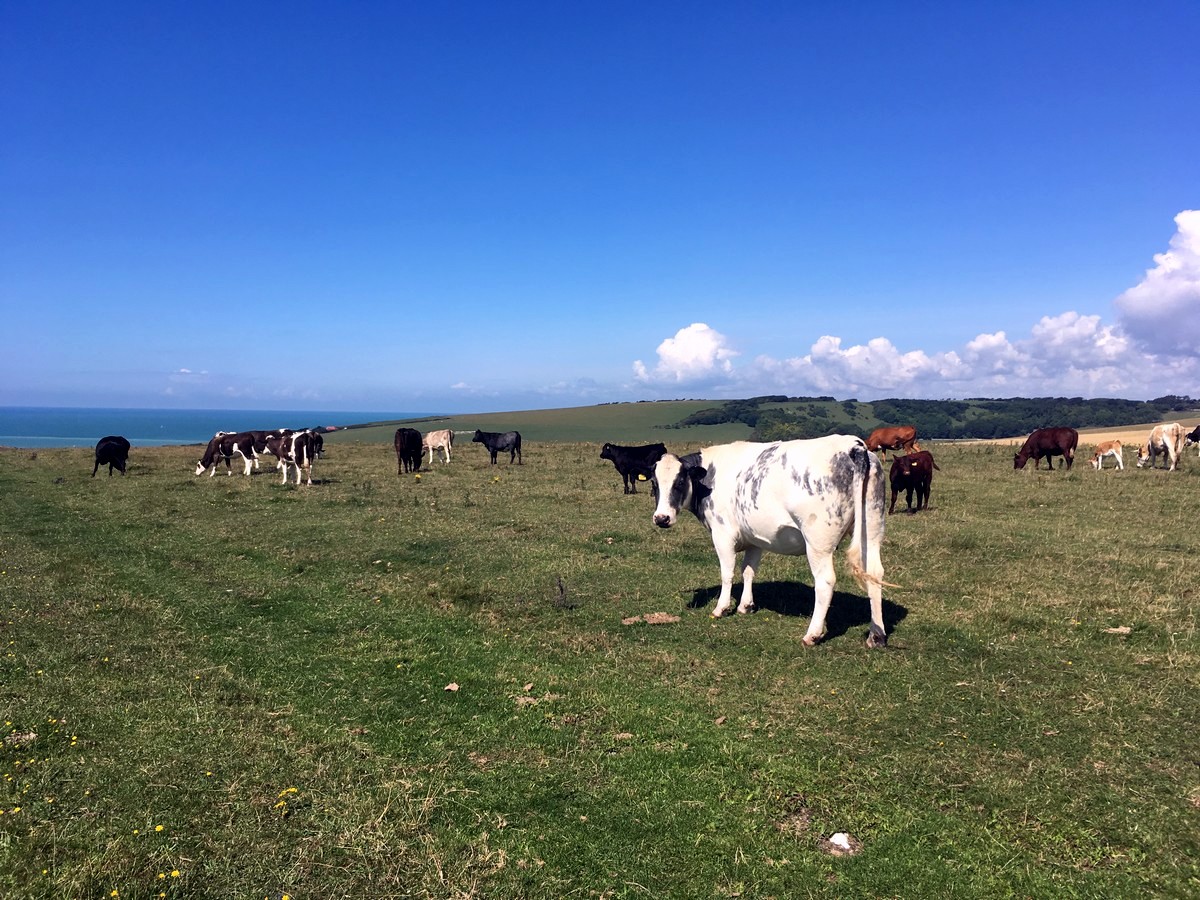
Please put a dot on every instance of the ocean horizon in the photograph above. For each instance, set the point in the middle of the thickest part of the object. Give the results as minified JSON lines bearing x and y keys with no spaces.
{"x":33,"y":427}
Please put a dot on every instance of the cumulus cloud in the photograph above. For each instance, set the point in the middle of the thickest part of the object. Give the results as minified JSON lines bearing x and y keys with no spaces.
{"x":695,"y":354}
{"x":1162,"y":311}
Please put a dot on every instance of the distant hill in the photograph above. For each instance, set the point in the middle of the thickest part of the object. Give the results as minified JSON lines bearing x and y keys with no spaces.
{"x":782,"y":418}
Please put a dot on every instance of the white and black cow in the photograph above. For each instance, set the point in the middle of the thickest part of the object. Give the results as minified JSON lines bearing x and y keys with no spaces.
{"x":111,"y":450}
{"x":498,"y":442}
{"x":632,"y":462}
{"x":224,"y":447}
{"x":788,"y":497}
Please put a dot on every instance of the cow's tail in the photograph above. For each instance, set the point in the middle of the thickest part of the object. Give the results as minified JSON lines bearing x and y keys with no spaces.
{"x":858,"y":565}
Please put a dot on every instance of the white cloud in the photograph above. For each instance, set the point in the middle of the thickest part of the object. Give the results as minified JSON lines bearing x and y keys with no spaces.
{"x":695,"y":354}
{"x":1162,"y":312}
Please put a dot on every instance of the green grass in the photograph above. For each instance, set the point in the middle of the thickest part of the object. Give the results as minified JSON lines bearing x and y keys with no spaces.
{"x":262,"y":670}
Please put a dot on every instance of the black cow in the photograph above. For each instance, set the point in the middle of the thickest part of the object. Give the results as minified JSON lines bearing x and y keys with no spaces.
{"x":1048,"y":442}
{"x":912,"y":472}
{"x":633,"y":461}
{"x":498,"y":442}
{"x":408,"y":450}
{"x":112,"y":450}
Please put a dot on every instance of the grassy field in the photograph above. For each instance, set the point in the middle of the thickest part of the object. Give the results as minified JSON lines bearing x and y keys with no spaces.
{"x":383,"y":686}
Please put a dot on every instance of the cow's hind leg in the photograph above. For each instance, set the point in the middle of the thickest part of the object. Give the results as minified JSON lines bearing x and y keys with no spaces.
{"x":750,"y":561}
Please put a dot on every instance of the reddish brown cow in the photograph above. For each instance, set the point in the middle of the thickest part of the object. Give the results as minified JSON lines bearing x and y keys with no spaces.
{"x":1048,"y":442}
{"x":893,"y":437}
{"x":913,"y":472}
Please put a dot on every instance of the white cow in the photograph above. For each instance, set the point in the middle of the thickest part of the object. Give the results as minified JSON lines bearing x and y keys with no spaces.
{"x":788,"y":497}
{"x":438,"y":440}
{"x":1167,"y":439}
{"x":1108,"y":448}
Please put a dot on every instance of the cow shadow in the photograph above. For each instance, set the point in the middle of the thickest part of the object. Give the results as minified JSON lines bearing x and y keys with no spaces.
{"x":789,"y":598}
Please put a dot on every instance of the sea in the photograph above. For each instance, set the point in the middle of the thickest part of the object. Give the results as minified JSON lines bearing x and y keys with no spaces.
{"x":54,"y":426}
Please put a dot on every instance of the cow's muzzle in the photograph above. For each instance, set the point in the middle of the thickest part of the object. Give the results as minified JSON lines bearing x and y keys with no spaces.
{"x":663,"y":521}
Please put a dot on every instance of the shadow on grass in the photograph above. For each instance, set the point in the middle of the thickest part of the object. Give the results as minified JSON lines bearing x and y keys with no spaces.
{"x":790,"y":598}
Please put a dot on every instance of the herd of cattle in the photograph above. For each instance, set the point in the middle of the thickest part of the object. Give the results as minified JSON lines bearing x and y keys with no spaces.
{"x":788,"y":497}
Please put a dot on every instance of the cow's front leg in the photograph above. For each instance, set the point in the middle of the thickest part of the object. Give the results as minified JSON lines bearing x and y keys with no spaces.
{"x":750,"y":561}
{"x":727,"y":557}
{"x":824,"y":580}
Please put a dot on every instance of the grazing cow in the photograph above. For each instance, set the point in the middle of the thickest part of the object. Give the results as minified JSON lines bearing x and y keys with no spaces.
{"x":912,"y":472}
{"x":498,"y":442}
{"x":633,"y":461}
{"x":1193,"y":437}
{"x":298,"y":449}
{"x":788,"y":497}
{"x":224,"y":447}
{"x":1108,"y":448}
{"x":1048,"y":442}
{"x":408,"y":450}
{"x":1167,"y":439}
{"x":438,"y":440}
{"x":898,"y":437}
{"x":111,"y":451}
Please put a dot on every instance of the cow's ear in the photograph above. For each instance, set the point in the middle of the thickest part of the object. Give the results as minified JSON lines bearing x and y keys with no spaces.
{"x":697,"y":474}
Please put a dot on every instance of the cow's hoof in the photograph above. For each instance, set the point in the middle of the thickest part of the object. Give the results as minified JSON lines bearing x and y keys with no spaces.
{"x":876,"y":639}
{"x":811,"y":641}
{"x":719,"y":613}
{"x":742,"y":610}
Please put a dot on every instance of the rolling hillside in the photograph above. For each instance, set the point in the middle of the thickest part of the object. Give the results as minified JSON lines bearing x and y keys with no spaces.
{"x":715,"y":421}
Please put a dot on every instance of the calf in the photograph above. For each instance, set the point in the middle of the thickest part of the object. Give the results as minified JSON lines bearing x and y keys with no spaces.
{"x":1165,"y":439}
{"x":224,"y":447}
{"x":112,"y":450}
{"x":633,"y":461}
{"x":408,"y":450}
{"x":787,"y":497}
{"x":498,"y":442}
{"x":913,"y":472}
{"x":1108,"y":448}
{"x":438,"y":440}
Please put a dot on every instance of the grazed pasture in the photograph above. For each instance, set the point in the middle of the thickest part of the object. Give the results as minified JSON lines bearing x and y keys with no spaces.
{"x":401,"y":687}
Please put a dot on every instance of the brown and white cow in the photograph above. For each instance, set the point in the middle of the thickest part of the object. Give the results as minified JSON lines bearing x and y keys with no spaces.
{"x":893,"y":437}
{"x":438,"y":440}
{"x":1166,"y":439}
{"x":223,"y":447}
{"x":1108,"y":448}
{"x":787,"y":497}
{"x":297,"y":449}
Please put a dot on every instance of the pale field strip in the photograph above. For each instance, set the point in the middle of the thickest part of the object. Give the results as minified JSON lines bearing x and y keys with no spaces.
{"x":1129,"y":436}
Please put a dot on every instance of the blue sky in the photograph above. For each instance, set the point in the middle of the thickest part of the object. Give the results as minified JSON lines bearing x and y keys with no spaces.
{"x":490,"y":206}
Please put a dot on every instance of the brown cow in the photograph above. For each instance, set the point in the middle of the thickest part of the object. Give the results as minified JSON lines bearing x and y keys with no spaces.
{"x":1048,"y":442}
{"x":893,"y":437}
{"x":913,"y":472}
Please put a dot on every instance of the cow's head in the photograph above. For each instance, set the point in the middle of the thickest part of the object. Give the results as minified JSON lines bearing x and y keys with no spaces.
{"x":606,"y":452}
{"x":1143,"y":455}
{"x":678,"y":484}
{"x":1019,"y":461}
